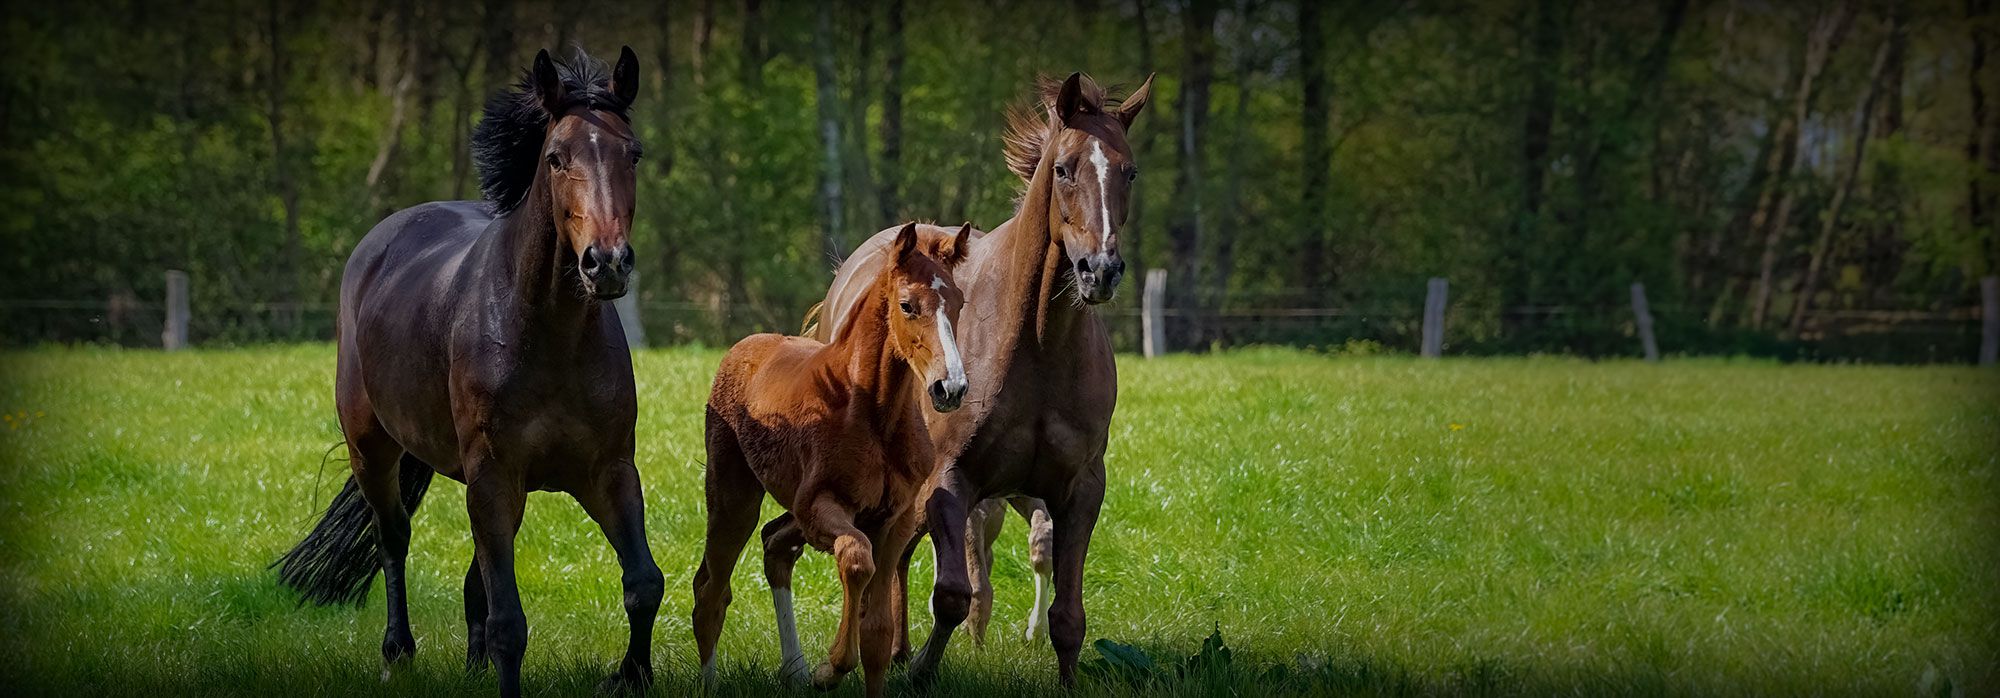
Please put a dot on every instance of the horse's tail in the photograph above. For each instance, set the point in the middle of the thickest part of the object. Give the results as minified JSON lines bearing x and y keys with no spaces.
{"x":337,"y":561}
{"x":810,"y":325}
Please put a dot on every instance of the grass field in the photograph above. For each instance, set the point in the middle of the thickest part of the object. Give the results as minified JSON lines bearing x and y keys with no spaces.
{"x":1378,"y":525}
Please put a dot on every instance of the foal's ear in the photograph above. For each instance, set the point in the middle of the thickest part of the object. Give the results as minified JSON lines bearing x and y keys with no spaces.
{"x":960,"y":248}
{"x":1128,"y":111}
{"x":548,"y":84}
{"x":625,"y":77}
{"x":1069,"y":101}
{"x":905,"y":245}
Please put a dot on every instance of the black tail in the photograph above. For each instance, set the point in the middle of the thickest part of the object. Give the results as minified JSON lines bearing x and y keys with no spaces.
{"x":338,"y":560}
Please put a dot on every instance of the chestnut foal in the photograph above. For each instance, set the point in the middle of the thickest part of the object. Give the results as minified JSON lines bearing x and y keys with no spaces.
{"x":835,"y":433}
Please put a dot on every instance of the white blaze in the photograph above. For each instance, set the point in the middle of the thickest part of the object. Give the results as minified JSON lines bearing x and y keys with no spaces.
{"x":954,"y":365}
{"x":1103,"y":172}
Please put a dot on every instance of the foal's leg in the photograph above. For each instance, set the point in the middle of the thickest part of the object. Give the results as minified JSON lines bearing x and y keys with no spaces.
{"x":734,"y":495}
{"x":783,"y":542}
{"x":377,"y":460}
{"x":981,"y":530}
{"x":619,"y":507}
{"x":1074,"y":521}
{"x":951,"y":595}
{"x":495,"y":498}
{"x":878,"y":617}
{"x":899,"y":600}
{"x":854,"y":557}
{"x":1041,"y":556}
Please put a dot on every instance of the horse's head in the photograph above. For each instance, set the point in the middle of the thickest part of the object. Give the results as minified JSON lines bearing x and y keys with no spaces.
{"x":924,"y":309}
{"x":1092,"y":168}
{"x":591,"y":156}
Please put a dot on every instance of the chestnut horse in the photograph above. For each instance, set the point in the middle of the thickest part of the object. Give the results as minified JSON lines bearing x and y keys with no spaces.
{"x":782,"y":544}
{"x":835,"y":433}
{"x":1038,"y":413}
{"x":477,"y":341}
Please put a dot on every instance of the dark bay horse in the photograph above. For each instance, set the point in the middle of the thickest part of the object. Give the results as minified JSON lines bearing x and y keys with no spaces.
{"x":835,"y":433}
{"x":1044,"y":384}
{"x":475,"y":340}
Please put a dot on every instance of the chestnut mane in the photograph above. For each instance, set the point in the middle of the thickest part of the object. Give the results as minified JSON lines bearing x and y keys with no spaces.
{"x":1029,"y":127}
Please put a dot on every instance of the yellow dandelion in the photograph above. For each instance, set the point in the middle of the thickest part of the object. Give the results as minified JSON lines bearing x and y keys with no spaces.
{"x":1455,"y":426}
{"x":38,"y":414}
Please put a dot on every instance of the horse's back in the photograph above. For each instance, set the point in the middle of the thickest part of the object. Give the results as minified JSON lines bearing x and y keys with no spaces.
{"x":851,"y":281}
{"x":413,"y":239}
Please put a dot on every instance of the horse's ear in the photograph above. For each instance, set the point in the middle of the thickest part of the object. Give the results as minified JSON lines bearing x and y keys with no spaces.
{"x":1136,"y":102}
{"x":905,"y":245}
{"x":548,"y":84}
{"x":1069,"y":101}
{"x":625,"y":77}
{"x":961,"y":247}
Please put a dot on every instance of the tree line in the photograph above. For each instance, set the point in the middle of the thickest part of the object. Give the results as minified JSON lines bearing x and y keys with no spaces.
{"x":1766,"y":169}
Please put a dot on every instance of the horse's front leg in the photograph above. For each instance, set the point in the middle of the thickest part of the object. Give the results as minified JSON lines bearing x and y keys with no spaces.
{"x":495,"y":497}
{"x":1075,"y":519}
{"x":878,"y":614}
{"x":951,"y":594}
{"x":854,"y":557}
{"x":618,"y":506}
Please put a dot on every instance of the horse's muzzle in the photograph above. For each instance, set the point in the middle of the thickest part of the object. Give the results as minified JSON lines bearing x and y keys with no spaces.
{"x":1097,"y":277}
{"x":947,"y":394}
{"x":606,"y":272}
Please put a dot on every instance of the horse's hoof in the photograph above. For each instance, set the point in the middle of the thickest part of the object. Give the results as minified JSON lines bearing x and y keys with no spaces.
{"x":633,"y":681}
{"x":826,"y":678}
{"x":922,"y":674}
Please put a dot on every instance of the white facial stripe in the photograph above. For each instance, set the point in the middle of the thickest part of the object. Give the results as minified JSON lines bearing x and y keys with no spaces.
{"x":1103,"y":166}
{"x":954,"y":365}
{"x":937,"y":282}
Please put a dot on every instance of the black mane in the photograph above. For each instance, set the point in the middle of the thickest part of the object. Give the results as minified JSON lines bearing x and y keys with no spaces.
{"x":507,"y":143}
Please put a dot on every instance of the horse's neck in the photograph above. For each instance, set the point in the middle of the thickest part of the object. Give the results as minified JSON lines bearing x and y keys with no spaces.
{"x":1026,"y":277}
{"x":861,"y":358}
{"x":527,"y":259}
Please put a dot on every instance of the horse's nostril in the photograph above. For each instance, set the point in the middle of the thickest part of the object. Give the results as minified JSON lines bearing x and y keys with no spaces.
{"x":589,"y":261}
{"x":937,"y":391}
{"x":1083,"y":266}
{"x":1114,"y":268}
{"x":625,"y":260}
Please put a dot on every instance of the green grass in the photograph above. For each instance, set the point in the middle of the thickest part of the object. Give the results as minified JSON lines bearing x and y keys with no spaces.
{"x":1371,"y":525}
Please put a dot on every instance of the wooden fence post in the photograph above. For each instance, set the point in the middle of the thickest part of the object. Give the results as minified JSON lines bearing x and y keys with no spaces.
{"x":1642,"y":315}
{"x":175,"y":336}
{"x":1152,"y":314}
{"x":628,"y":313}
{"x":1434,"y":301}
{"x":1989,"y":336}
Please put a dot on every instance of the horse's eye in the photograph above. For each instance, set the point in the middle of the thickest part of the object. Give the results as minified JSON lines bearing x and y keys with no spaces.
{"x":1132,"y":174}
{"x":555,"y":162}
{"x":1061,"y":171}
{"x":907,"y":308}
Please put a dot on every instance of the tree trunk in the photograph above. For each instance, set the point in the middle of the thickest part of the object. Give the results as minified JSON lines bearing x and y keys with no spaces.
{"x":1843,"y":187}
{"x":1545,"y":54}
{"x":1184,"y":233}
{"x":752,"y":64}
{"x":503,"y":68}
{"x":828,"y":93}
{"x":288,"y":192}
{"x":890,"y":187}
{"x":1773,"y":218}
{"x":1882,"y":254}
{"x":1979,"y":147}
{"x":1316,"y":150}
{"x":704,"y":29}
{"x":1244,"y":70}
{"x":1131,"y":238}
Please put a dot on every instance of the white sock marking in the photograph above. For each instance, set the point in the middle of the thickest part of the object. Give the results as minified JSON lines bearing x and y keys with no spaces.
{"x":793,"y":663}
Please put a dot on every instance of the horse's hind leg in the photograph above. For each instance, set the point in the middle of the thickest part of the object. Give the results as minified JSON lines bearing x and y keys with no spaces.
{"x":619,"y":508}
{"x":1041,"y":556}
{"x":475,"y":618}
{"x":733,"y":495}
{"x":982,"y":528}
{"x":377,"y":463}
{"x":783,"y":542}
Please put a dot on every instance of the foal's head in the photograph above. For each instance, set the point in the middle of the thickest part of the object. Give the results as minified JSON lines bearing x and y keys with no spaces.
{"x":568,"y":125}
{"x":925,"y":309}
{"x":1082,"y":142}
